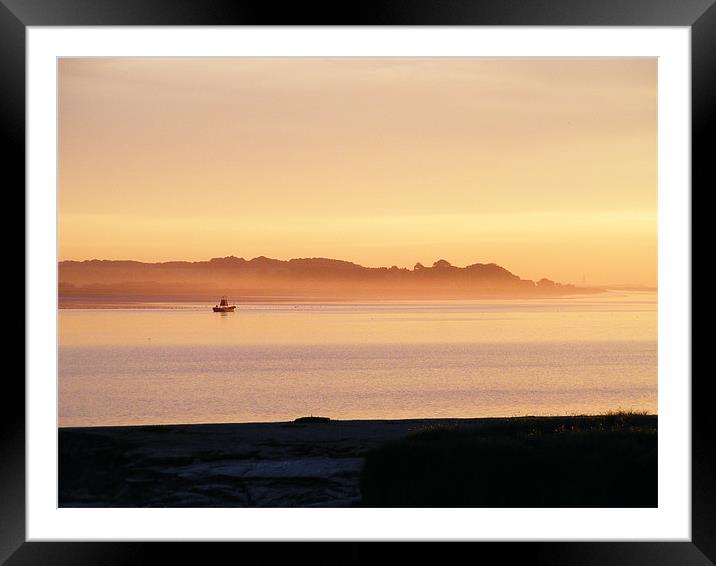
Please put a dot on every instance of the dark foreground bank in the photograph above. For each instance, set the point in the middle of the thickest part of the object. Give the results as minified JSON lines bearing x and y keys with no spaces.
{"x":531,"y":462}
{"x":604,"y":461}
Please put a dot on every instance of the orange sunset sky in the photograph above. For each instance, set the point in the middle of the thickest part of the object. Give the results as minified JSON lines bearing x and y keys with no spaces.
{"x":546,"y":167}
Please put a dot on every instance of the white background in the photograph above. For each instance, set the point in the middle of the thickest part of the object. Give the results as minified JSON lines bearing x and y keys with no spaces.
{"x":670,"y":521}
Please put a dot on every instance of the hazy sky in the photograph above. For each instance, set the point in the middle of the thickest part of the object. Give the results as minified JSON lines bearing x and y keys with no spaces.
{"x":546,"y":167}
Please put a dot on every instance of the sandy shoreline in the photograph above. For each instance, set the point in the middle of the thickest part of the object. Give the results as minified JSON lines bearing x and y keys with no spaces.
{"x":254,"y":464}
{"x":246,"y":464}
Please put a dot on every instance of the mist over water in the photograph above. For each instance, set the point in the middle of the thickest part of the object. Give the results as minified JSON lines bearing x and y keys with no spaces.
{"x":182,"y":363}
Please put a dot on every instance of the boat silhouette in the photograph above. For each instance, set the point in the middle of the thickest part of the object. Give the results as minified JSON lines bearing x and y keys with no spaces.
{"x":224,"y":306}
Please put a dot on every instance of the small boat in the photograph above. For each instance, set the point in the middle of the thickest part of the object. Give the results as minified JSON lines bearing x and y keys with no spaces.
{"x":224,"y":306}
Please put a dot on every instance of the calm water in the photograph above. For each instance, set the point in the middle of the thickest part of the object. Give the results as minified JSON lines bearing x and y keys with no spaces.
{"x":181,"y":363}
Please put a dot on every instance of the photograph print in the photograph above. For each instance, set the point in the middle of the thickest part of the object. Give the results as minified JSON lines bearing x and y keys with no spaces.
{"x":357,"y":282}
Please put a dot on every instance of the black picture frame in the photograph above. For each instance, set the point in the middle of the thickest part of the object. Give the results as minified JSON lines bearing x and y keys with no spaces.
{"x":16,"y":15}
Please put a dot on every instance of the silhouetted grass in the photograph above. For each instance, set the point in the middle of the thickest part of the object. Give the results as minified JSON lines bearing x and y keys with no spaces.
{"x":580,"y":461}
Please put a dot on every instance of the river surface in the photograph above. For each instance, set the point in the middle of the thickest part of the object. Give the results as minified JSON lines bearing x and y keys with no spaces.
{"x":182,"y":363}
